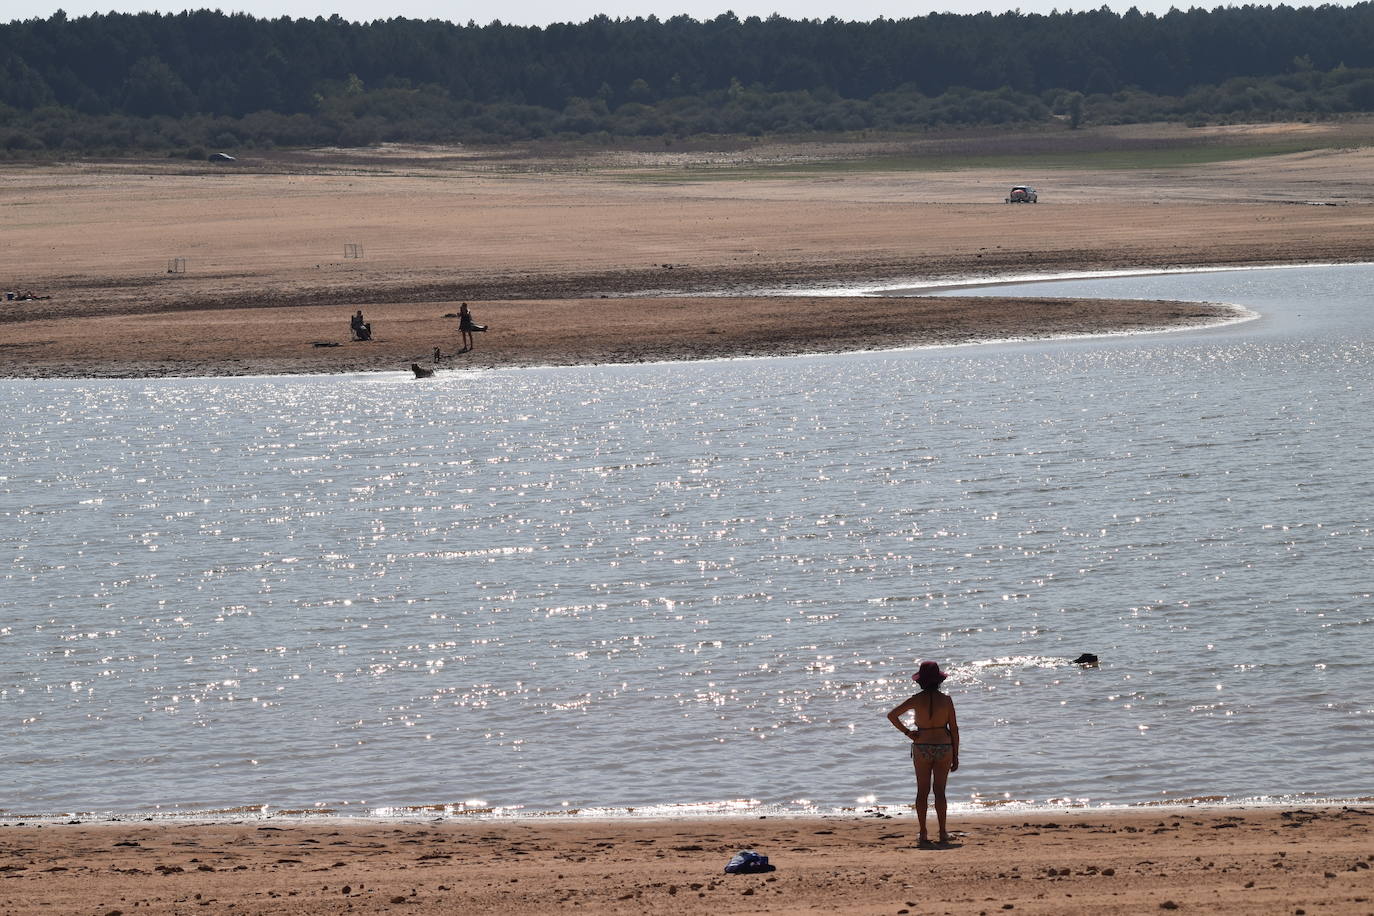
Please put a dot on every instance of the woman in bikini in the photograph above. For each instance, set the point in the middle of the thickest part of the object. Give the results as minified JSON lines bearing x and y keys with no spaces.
{"x":934,"y":742}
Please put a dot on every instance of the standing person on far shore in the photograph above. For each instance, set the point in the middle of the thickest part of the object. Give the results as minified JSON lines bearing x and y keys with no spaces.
{"x":465,"y":327}
{"x":934,"y":742}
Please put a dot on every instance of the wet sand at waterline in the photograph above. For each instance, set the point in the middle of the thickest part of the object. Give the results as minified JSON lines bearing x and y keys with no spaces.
{"x":1217,"y":861}
{"x":535,"y":242}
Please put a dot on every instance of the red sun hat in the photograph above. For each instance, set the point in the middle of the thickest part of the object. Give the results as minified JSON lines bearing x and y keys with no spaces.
{"x":929,"y":674}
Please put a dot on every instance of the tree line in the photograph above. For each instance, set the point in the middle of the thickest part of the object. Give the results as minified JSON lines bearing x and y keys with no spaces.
{"x":147,"y":81}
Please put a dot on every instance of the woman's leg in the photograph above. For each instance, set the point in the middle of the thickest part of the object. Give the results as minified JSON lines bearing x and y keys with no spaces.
{"x":923,"y":773}
{"x":940,"y":772}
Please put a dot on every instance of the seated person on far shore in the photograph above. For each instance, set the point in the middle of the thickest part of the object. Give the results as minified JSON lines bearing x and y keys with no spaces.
{"x":362,"y":330}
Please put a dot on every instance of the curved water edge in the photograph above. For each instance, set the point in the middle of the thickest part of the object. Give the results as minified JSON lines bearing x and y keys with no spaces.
{"x":927,"y":285}
{"x":605,"y":589}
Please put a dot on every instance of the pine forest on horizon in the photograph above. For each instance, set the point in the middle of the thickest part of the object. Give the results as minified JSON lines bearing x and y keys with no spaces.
{"x":115,"y":83}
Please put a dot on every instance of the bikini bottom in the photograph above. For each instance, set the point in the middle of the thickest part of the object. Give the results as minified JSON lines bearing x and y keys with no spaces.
{"x":931,"y":752}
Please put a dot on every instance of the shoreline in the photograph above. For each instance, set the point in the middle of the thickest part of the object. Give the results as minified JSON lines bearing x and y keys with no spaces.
{"x":1215,"y":860}
{"x":920,"y":287}
{"x":313,"y":340}
{"x":412,"y":815}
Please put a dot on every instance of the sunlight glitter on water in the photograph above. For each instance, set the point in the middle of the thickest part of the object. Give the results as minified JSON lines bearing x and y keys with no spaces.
{"x":648,"y":586}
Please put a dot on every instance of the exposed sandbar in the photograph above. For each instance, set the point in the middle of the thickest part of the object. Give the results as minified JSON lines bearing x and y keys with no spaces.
{"x":316,"y":339}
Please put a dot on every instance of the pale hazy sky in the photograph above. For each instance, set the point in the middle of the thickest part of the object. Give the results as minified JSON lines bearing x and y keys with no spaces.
{"x":542,"y":12}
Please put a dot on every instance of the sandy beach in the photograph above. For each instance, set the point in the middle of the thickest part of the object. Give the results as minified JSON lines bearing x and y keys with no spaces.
{"x":1202,"y":860}
{"x":536,"y":241}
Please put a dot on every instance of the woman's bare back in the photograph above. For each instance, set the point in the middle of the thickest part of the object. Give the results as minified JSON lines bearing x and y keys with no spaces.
{"x":932,"y":710}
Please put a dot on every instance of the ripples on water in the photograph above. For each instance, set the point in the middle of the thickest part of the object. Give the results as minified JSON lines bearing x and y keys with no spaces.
{"x":630,"y":586}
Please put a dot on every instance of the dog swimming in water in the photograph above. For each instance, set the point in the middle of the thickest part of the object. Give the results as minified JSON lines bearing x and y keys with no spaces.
{"x":421,"y":372}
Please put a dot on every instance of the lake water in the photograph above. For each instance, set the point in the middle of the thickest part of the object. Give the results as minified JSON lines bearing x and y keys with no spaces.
{"x":704,"y":584}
